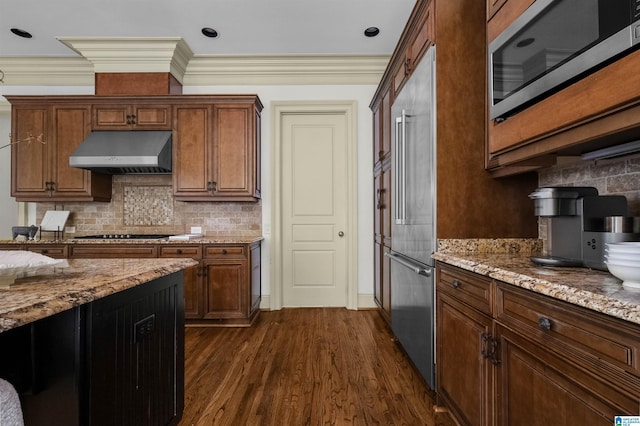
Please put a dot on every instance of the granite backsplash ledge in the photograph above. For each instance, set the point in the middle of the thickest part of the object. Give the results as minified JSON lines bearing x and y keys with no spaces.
{"x":524,"y":246}
{"x":144,"y":204}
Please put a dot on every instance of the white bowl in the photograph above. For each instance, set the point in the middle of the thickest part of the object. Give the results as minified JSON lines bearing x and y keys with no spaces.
{"x":630,"y":275}
{"x":632,"y":264}
{"x":625,"y":247}
{"x":624,"y":257}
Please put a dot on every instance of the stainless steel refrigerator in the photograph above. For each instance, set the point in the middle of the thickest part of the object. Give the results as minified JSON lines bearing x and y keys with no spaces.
{"x":413,"y":236}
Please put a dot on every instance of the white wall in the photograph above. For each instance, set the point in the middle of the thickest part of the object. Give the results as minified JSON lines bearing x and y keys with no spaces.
{"x":362,"y":94}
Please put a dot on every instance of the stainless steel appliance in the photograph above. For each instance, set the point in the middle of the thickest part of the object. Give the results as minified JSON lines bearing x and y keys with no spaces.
{"x":580,"y":223}
{"x":553,"y":43}
{"x":125,"y":152}
{"x":123,"y":237}
{"x":413,"y":226}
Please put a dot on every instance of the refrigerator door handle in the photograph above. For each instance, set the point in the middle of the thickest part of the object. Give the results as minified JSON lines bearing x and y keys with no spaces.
{"x":400,"y":189}
{"x":418,"y":269}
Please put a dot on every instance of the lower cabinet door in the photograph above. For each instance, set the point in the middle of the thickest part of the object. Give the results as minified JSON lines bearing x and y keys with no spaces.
{"x":537,"y":388}
{"x":463,"y":375}
{"x":225,"y":289}
{"x":193,"y":294}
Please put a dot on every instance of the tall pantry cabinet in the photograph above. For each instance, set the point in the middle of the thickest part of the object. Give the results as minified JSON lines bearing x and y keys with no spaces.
{"x":470,"y":203}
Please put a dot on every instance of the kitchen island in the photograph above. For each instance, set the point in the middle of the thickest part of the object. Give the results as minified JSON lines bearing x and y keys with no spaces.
{"x":533,"y":345}
{"x":100,"y":341}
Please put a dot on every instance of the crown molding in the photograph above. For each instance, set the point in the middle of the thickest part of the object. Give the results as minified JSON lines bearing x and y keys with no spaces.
{"x":133,"y":54}
{"x":209,"y":70}
{"x":285,"y":69}
{"x":46,"y":71}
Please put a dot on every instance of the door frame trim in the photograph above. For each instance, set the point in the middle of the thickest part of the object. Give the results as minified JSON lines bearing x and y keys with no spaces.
{"x":349,"y":110}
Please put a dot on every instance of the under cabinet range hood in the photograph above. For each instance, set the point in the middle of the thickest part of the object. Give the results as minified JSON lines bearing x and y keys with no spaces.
{"x":124,"y":152}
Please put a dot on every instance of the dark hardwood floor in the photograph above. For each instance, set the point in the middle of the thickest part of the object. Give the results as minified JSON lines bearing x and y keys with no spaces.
{"x":320,"y":366}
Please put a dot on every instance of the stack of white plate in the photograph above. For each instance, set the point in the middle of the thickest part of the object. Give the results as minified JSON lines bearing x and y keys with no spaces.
{"x":623,"y":261}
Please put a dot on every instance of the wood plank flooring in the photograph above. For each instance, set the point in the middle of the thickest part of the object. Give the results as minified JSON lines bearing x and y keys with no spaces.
{"x":316,"y":366}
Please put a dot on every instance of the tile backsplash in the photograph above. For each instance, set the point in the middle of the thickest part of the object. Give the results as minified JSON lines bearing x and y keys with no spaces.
{"x":610,"y":177}
{"x":144,"y":204}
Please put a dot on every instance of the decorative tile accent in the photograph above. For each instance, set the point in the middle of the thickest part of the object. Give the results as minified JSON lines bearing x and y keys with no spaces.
{"x":148,"y":205}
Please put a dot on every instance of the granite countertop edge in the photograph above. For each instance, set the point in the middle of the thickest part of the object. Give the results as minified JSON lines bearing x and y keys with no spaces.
{"x":163,"y":241}
{"x":592,"y":289}
{"x":84,"y":280}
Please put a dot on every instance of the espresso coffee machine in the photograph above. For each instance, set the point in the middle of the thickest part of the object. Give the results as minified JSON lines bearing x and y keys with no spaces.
{"x":580,"y":222}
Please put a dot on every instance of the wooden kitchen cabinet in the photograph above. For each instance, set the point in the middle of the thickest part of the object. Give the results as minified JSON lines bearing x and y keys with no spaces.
{"x":217,"y":150}
{"x":231,"y":290}
{"x":463,"y":326}
{"x":131,"y":117}
{"x":382,"y":202}
{"x":193,"y":277}
{"x":44,"y":134}
{"x":493,"y":6}
{"x":112,"y":251}
{"x":510,"y":356}
{"x":56,"y":251}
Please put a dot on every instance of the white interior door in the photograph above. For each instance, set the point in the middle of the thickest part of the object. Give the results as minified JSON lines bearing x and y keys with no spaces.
{"x":314,"y":209}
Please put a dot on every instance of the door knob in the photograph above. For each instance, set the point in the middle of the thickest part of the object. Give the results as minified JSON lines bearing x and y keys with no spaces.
{"x":340,"y":234}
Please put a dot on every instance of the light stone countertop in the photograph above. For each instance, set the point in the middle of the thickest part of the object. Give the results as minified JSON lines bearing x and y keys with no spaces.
{"x":596,"y":290}
{"x":57,"y":289}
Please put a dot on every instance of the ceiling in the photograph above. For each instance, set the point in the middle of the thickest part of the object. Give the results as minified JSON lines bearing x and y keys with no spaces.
{"x":245,"y":27}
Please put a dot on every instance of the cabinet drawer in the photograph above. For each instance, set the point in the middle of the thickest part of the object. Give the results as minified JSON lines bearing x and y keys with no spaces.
{"x":470,"y":288}
{"x":99,"y":251}
{"x":225,"y":252}
{"x":563,"y":327}
{"x":193,"y":251}
{"x":57,"y":251}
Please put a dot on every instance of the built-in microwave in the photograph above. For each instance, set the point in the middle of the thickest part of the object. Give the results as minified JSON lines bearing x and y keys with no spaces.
{"x":554,"y":43}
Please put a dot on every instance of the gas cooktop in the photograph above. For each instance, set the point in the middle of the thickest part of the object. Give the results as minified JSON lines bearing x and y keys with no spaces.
{"x":123,"y":237}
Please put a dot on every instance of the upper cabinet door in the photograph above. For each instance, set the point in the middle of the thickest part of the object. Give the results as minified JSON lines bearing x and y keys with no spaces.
{"x":131,"y":117}
{"x":71,"y":125}
{"x":235,"y":151}
{"x":31,"y":141}
{"x":192,"y":152}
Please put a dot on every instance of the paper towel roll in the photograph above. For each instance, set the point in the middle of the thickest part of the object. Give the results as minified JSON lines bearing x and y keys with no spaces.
{"x":10,"y":410}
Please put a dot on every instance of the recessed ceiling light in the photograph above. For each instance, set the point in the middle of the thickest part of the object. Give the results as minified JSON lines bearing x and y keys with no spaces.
{"x":21,"y":33}
{"x":209,"y":32}
{"x":372,"y":31}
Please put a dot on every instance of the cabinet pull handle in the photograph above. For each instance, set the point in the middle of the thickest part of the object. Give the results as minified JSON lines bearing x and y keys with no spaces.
{"x":179,"y":251}
{"x":407,"y":66}
{"x":544,"y":323}
{"x":224,"y":251}
{"x":490,"y":348}
{"x":456,"y":284}
{"x":378,"y":194}
{"x":212,"y":186}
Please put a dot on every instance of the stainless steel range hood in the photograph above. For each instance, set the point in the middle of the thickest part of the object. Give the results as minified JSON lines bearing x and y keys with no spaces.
{"x":124,"y":152}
